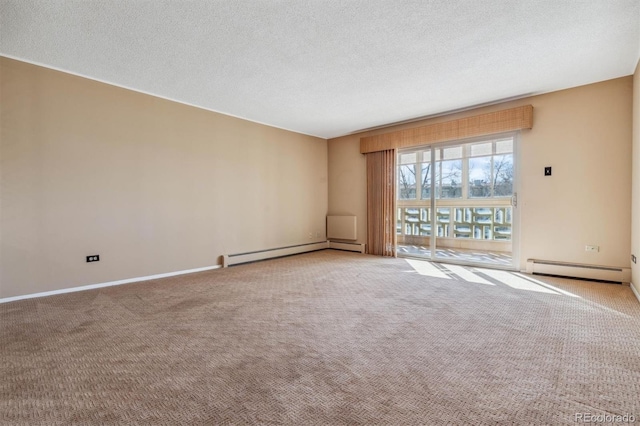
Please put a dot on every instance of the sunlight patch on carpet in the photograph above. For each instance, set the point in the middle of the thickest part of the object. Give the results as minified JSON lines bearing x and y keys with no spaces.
{"x":427,"y":268}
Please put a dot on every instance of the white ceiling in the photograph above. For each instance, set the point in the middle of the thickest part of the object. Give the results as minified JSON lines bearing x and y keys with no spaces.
{"x":329,"y":67}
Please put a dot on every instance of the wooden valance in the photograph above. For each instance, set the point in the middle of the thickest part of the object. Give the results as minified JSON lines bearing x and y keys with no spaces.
{"x":477,"y":125}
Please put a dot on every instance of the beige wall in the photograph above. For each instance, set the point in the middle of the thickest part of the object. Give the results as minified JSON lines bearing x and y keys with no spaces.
{"x":152,"y":186}
{"x":635,"y":198}
{"x":584,"y":134}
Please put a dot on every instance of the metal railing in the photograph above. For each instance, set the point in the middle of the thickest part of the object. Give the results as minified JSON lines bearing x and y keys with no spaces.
{"x":485,"y":223}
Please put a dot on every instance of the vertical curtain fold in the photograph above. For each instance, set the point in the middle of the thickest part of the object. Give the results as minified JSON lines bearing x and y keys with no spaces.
{"x":381,"y":196}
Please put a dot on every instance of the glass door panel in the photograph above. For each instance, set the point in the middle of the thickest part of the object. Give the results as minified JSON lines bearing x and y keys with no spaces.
{"x":454,"y":202}
{"x":414,"y":189}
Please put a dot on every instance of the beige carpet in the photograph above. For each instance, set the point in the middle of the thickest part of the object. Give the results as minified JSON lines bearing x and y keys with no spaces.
{"x":323,"y":338}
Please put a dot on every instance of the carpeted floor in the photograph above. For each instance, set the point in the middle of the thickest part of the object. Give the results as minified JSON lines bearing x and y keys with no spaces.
{"x":324,"y":338}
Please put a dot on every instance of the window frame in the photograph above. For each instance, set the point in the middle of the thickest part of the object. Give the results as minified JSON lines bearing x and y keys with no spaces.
{"x":466,"y":145}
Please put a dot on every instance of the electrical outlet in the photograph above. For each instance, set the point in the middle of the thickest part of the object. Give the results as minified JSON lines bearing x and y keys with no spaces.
{"x":591,"y":248}
{"x":633,"y":258}
{"x":93,"y":258}
{"x":311,"y":235}
{"x":547,"y":171}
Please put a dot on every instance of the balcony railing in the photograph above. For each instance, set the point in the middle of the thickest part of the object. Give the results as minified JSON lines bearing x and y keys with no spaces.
{"x":482,"y":223}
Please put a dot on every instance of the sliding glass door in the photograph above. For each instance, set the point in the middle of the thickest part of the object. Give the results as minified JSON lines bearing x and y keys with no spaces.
{"x":456,"y":202}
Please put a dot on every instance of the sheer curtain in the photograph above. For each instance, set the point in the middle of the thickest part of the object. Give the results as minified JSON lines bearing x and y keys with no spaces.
{"x":381,"y":196}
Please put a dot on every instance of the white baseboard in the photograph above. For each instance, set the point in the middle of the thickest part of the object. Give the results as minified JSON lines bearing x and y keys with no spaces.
{"x":107,"y":284}
{"x":635,"y":291}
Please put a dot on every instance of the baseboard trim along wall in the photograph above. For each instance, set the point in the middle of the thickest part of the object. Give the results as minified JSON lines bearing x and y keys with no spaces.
{"x":107,"y":284}
{"x":635,"y":291}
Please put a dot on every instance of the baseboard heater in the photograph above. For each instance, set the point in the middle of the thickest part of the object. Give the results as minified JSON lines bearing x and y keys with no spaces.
{"x":357,"y":247}
{"x":577,"y":270}
{"x":344,"y":227}
{"x":236,"y":259}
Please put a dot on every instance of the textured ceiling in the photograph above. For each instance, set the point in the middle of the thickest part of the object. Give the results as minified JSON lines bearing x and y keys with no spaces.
{"x":329,"y":67}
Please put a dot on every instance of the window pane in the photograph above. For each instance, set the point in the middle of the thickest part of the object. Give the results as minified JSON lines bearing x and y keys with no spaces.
{"x":426,"y":181}
{"x":503,"y":175}
{"x":481,"y":149}
{"x":452,"y":153}
{"x":504,"y":146}
{"x":449,"y":179}
{"x":408,"y":158}
{"x":479,"y":177}
{"x":488,"y":171}
{"x":407,"y":182}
